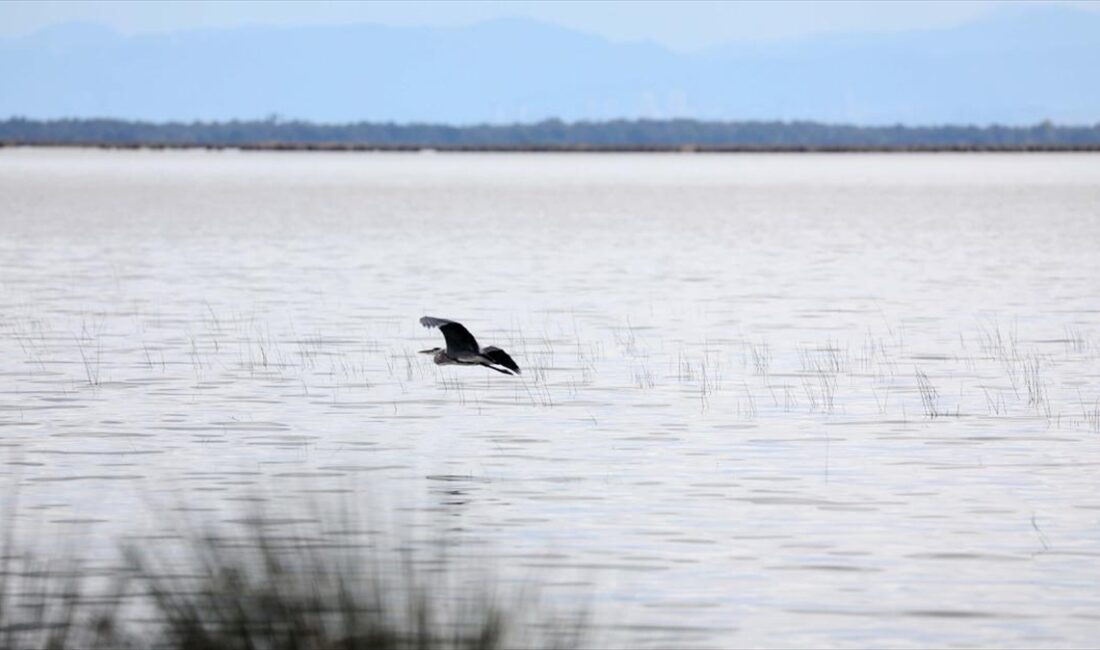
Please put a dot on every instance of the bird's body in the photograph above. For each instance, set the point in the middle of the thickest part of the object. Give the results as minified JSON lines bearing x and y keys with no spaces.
{"x":463,"y":350}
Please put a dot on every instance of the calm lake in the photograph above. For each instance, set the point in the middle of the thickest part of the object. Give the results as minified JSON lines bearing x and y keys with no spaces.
{"x":767,"y":400}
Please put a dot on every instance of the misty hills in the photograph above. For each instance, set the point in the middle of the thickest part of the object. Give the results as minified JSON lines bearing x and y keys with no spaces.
{"x":1019,"y":65}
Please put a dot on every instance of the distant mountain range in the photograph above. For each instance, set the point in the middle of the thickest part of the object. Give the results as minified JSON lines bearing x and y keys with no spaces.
{"x":1018,"y":65}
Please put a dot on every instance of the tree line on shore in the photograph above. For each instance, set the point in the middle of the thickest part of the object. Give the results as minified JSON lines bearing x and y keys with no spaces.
{"x":274,"y":132}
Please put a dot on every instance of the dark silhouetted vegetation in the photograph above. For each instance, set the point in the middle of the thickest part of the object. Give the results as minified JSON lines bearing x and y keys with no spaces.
{"x":274,"y":133}
{"x":262,"y":591}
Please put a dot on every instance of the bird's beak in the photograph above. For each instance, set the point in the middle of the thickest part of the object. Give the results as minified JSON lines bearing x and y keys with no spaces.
{"x":432,"y":351}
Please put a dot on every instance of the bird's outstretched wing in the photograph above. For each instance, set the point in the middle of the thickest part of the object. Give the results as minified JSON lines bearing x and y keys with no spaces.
{"x":458,"y":337}
{"x":500,"y":357}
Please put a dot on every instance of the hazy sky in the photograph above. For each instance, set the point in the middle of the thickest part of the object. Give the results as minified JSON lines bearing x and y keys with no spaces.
{"x":679,"y":25}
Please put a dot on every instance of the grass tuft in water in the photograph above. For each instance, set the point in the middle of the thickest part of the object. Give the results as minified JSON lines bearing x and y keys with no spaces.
{"x":929,"y":396}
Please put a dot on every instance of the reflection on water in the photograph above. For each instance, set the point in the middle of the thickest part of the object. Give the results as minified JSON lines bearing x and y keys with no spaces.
{"x":767,"y":400}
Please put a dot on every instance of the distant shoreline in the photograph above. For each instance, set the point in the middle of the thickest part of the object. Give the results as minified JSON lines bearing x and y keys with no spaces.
{"x":614,"y":136}
{"x":411,"y":148}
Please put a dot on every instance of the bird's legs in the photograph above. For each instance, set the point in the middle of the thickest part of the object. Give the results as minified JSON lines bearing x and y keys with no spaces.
{"x":503,"y":372}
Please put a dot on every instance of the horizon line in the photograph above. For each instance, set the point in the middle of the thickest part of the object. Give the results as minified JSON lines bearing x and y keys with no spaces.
{"x":276,"y":119}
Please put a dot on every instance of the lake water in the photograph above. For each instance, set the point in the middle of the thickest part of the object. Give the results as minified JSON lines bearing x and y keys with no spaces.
{"x":767,"y":400}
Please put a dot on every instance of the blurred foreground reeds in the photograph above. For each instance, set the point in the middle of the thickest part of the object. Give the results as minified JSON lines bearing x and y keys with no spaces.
{"x":260,"y":590}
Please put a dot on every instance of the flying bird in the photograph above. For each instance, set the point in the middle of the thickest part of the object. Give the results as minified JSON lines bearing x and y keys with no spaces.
{"x":462,"y":348}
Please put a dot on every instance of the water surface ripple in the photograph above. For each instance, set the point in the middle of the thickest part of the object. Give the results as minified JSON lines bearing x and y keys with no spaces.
{"x":768,"y":400}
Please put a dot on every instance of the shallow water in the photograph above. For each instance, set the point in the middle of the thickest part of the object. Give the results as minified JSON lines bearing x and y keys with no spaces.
{"x":767,"y":400}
